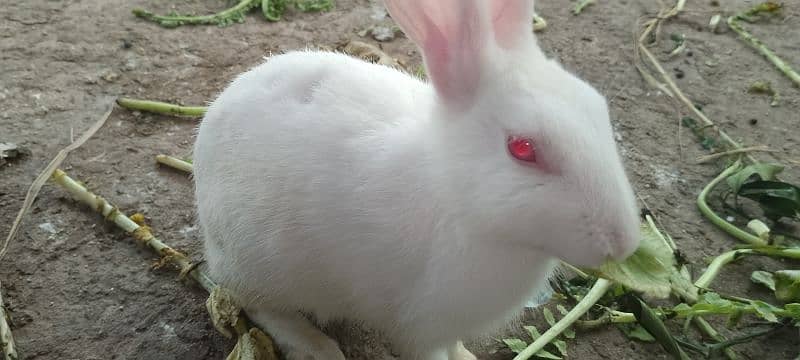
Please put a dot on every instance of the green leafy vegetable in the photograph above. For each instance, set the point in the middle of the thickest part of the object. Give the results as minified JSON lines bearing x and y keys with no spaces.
{"x":518,"y":345}
{"x":636,"y":332}
{"x":652,"y":269}
{"x":653,"y":324}
{"x":777,"y":199}
{"x":548,"y":316}
{"x":764,"y":171}
{"x":273,"y":9}
{"x":787,"y":285}
{"x":708,"y":142}
{"x":314,"y":5}
{"x":712,"y":304}
{"x":764,"y":278}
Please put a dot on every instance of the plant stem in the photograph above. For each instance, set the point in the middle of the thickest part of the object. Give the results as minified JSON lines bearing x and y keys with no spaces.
{"x":723,"y":259}
{"x":539,"y":23}
{"x":145,"y":236}
{"x":709,"y":331}
{"x":140,"y":233}
{"x":222,"y":18}
{"x":595,"y":293}
{"x":716,"y":265}
{"x":729,"y":228}
{"x":174,"y":163}
{"x":609,"y":317}
{"x":718,"y":155}
{"x":7,"y":345}
{"x":751,"y":40}
{"x":163,"y":108}
{"x":582,"y":4}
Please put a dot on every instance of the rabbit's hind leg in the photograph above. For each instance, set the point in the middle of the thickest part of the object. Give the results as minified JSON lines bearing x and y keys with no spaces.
{"x":296,"y":337}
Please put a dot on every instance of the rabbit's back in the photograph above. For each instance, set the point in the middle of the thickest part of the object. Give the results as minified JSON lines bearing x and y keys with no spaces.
{"x":289,"y":202}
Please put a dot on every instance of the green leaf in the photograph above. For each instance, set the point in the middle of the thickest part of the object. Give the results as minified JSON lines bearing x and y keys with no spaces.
{"x":544,"y":354}
{"x":734,"y":318}
{"x":653,"y":324}
{"x":548,"y":315}
{"x":652,"y":269}
{"x":562,"y":309}
{"x":516,"y":345}
{"x":533,"y":332}
{"x":764,"y":171}
{"x":766,"y":311}
{"x":569,"y":333}
{"x":314,"y":5}
{"x":636,"y":332}
{"x":793,"y":311}
{"x":764,"y":278}
{"x":777,"y":199}
{"x":273,"y":9}
{"x":561,"y":345}
{"x":787,"y":285}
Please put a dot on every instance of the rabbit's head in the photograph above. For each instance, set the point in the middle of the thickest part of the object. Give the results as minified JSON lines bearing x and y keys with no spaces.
{"x":523,"y":153}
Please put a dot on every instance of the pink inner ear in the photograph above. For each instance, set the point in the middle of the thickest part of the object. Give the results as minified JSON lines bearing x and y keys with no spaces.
{"x":451,"y":35}
{"x":512,"y":20}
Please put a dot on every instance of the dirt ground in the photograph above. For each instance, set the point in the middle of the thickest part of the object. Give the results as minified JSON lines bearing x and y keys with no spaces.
{"x":79,"y":289}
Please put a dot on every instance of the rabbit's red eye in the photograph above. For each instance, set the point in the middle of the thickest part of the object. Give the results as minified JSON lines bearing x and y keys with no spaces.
{"x":522,"y":148}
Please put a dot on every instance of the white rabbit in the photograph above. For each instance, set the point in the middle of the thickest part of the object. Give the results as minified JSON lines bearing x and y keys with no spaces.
{"x":431,"y":212}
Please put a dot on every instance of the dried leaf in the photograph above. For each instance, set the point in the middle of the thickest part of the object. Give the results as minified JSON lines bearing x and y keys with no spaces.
{"x":370,"y":53}
{"x":254,"y":345}
{"x":223,"y":310}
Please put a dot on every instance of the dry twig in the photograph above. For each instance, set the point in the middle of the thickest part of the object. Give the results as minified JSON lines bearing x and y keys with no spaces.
{"x":174,"y":163}
{"x":707,"y":158}
{"x":37,"y":184}
{"x":7,"y":345}
{"x":250,"y":338}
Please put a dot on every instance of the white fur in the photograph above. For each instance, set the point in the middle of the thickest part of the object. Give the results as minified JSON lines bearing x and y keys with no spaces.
{"x":329,"y":185}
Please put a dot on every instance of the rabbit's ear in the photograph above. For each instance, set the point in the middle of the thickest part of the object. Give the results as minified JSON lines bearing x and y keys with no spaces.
{"x":452,"y":35}
{"x":512,"y":21}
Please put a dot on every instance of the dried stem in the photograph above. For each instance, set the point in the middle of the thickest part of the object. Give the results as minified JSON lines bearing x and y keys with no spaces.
{"x":174,"y":163}
{"x":733,"y":23}
{"x":143,"y":234}
{"x":37,"y":184}
{"x":7,"y":345}
{"x":539,"y":23}
{"x":162,"y":108}
{"x":140,"y":233}
{"x":707,"y":158}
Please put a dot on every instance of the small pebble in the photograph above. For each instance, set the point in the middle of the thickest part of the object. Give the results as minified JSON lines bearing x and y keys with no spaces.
{"x":382,"y":33}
